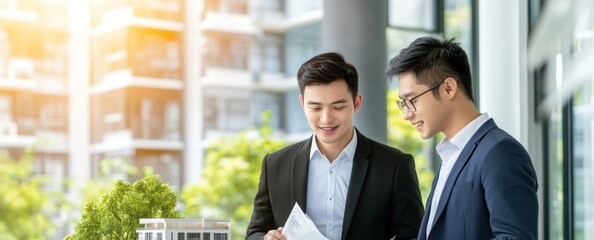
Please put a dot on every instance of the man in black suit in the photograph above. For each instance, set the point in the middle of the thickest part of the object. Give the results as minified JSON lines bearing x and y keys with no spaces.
{"x":349,"y":185}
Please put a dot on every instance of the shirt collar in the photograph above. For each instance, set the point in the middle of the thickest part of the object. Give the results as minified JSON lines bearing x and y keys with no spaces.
{"x":349,"y":150}
{"x":461,"y":138}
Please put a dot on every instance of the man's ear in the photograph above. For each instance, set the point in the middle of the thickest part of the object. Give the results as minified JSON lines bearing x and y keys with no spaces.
{"x":358,"y":101}
{"x":451,"y":87}
{"x":301,"y":102}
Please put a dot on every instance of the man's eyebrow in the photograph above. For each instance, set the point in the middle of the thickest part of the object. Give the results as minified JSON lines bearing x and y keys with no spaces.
{"x":339,"y":101}
{"x":405,"y":95}
{"x":335,"y":102}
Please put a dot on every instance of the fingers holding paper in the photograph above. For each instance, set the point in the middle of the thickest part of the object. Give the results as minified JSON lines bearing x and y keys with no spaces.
{"x":275,"y":234}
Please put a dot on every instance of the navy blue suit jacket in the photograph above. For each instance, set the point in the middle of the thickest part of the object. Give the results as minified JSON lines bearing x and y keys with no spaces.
{"x":490,"y":193}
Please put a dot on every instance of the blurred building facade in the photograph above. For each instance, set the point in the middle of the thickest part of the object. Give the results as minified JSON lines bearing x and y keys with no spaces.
{"x":153,"y":81}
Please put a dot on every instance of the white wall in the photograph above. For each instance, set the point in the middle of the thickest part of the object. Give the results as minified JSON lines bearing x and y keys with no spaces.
{"x":502,"y":64}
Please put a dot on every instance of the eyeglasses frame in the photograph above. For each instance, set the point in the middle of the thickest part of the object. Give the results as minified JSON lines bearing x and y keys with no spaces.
{"x":403,"y":104}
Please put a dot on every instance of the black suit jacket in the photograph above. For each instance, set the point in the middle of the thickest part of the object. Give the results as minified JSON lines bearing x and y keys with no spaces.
{"x":383,"y":198}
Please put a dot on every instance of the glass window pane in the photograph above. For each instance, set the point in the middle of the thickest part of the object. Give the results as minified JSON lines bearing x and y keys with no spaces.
{"x":555,"y":175}
{"x":458,"y":23}
{"x":418,"y":14}
{"x":399,"y":39}
{"x":583,"y":128}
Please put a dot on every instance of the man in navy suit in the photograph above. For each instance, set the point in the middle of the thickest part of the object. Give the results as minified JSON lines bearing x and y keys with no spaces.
{"x":349,"y":185}
{"x":486,"y":186}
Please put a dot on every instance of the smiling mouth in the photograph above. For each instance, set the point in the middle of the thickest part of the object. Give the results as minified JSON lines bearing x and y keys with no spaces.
{"x":328,"y":129}
{"x":418,"y":124}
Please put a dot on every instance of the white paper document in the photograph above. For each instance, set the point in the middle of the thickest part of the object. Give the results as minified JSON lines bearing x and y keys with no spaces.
{"x":300,"y":227}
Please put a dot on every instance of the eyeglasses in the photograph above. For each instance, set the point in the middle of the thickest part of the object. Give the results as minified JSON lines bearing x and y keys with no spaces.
{"x":407,"y":103}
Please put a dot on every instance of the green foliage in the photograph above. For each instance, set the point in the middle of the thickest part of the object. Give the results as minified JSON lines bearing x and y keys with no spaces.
{"x":230,"y":178}
{"x":116,"y":215}
{"x":109,"y":171}
{"x":405,"y":137}
{"x":25,"y":203}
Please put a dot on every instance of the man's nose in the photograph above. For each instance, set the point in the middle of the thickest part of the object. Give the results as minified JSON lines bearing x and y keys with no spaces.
{"x":327,"y":116}
{"x":407,"y":114}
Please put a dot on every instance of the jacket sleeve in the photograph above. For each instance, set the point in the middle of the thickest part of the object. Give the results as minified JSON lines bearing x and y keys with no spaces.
{"x":510,"y":187}
{"x":407,"y":210}
{"x":262,"y":219}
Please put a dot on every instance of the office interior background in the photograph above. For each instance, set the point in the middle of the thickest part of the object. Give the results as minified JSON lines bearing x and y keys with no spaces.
{"x":156,"y":81}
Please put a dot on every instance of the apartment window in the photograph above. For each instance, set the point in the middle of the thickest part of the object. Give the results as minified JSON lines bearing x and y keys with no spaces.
{"x":181,"y":236}
{"x":155,"y":113}
{"x":25,"y":116}
{"x":229,"y":6}
{"x":107,"y":114}
{"x":22,"y":45}
{"x":226,"y":50}
{"x":161,"y":9}
{"x":109,"y":54}
{"x":159,"y":236}
{"x":267,"y":54}
{"x":206,"y":236}
{"x":54,"y":60}
{"x":148,"y":236}
{"x":7,"y":126}
{"x":220,"y":236}
{"x":193,"y":236}
{"x":271,"y":102}
{"x":238,"y":113}
{"x":210,"y":112}
{"x":227,"y":110}
{"x":301,"y":44}
{"x":53,"y":113}
{"x":266,"y":7}
{"x":172,"y":120}
{"x":155,"y":53}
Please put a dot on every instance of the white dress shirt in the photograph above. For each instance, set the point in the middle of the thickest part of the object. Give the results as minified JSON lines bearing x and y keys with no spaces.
{"x":327,"y":187}
{"x":449,"y":151}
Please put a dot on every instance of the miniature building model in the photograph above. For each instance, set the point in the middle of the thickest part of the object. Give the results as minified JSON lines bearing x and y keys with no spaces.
{"x":184,"y":229}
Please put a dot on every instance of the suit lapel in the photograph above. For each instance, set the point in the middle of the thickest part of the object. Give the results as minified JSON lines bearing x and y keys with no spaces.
{"x":360,"y":164}
{"x":299,"y":170}
{"x":459,"y":165}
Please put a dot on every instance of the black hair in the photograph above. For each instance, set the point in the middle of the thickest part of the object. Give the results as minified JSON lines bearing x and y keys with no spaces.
{"x":326,"y":68}
{"x":431,"y":60}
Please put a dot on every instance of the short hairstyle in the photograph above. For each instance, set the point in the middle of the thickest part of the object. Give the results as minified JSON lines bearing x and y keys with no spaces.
{"x":326,"y":68}
{"x":431,"y":60}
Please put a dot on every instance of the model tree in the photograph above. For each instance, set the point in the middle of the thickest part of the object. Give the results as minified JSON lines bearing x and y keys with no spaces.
{"x":117,"y":214}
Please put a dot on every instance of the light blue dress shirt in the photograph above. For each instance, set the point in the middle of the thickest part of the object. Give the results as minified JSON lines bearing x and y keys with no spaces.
{"x":327,"y":187}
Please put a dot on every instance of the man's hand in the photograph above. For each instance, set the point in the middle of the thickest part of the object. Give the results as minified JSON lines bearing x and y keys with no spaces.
{"x":275,"y":234}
